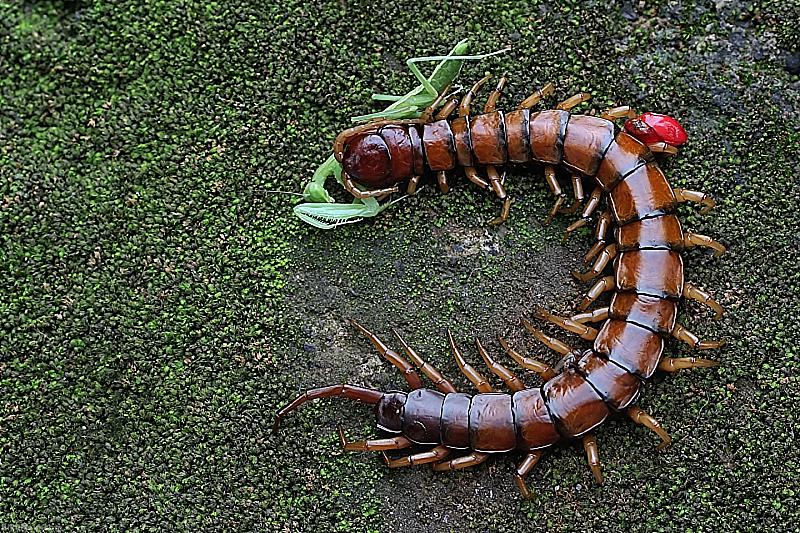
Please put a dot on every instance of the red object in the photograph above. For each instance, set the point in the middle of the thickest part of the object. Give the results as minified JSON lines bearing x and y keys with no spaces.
{"x":655,"y":127}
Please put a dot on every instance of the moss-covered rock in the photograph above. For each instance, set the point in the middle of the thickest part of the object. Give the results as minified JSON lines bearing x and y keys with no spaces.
{"x":159,"y":303}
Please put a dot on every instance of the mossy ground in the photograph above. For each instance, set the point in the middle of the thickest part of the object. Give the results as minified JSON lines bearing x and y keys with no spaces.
{"x":158,"y":304}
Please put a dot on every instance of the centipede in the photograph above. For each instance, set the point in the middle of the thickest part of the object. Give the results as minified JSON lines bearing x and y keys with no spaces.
{"x":636,"y":260}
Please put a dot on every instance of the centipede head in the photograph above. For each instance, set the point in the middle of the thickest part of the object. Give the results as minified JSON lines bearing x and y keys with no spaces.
{"x":652,"y":128}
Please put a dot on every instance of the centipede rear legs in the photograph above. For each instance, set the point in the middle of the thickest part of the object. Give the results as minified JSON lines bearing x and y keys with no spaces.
{"x":394,"y":443}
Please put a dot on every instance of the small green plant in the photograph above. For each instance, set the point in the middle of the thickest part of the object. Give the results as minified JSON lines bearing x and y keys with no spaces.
{"x":320,"y":209}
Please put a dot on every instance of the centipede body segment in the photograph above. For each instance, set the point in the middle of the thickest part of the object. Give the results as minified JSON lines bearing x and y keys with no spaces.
{"x":638,"y":238}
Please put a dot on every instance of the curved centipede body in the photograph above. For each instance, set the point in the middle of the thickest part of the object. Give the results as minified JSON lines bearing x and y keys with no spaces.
{"x":638,"y":237}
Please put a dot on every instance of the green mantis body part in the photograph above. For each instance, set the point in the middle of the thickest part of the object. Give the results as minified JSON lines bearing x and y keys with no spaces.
{"x":410,"y":105}
{"x":320,"y":213}
{"x":314,"y":190}
{"x":386,"y":97}
{"x":329,"y":216}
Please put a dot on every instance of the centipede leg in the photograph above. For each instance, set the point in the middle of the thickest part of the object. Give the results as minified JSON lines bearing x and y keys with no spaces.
{"x":427,"y":114}
{"x":491,"y":103}
{"x":573,"y":100}
{"x":449,"y":107}
{"x":463,"y":111}
{"x":691,"y":292}
{"x":591,"y":206}
{"x":544,"y":370}
{"x":433,"y":455}
{"x":412,"y":185}
{"x":355,"y":191}
{"x":669,"y":364}
{"x":685,"y":195}
{"x":618,"y":112}
{"x":640,"y":417}
{"x":598,"y":315}
{"x":683,"y":334}
{"x":691,"y":240}
{"x":600,"y":231}
{"x":583,"y":331}
{"x":608,"y":253}
{"x":473,"y":375}
{"x":663,"y":148}
{"x":537,"y":96}
{"x":459,"y":463}
{"x":602,"y":285}
{"x":593,"y":457}
{"x":524,"y":467}
{"x":466,"y":101}
{"x":441,"y":179}
{"x":508,"y":377}
{"x":552,"y":182}
{"x":551,"y":342}
{"x":577,"y":191}
{"x":504,"y":210}
{"x":407,"y":369}
{"x":441,"y":383}
{"x":472,"y":175}
{"x":376,"y":445}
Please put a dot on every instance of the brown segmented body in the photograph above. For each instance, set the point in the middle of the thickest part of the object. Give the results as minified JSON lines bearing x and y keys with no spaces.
{"x":648,"y":280}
